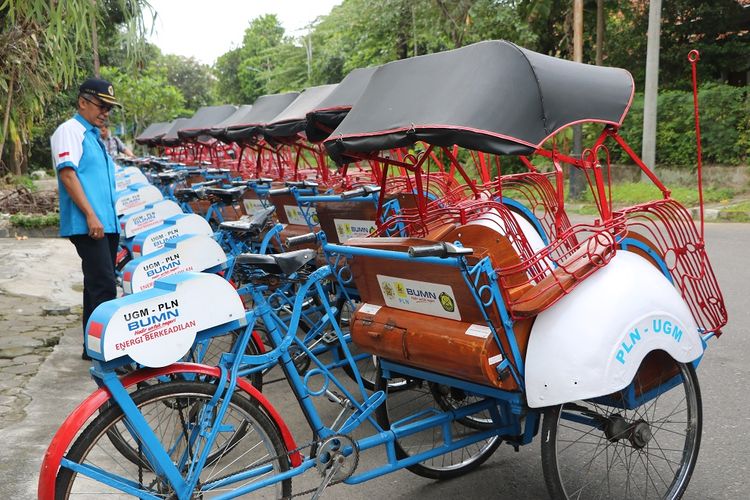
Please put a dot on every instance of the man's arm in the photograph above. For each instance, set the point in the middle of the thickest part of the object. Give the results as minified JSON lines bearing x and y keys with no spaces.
{"x":122,"y":148}
{"x":72,"y":185}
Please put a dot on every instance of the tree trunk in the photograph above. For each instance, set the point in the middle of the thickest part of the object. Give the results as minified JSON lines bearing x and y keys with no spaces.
{"x":95,"y":40}
{"x":17,"y":157}
{"x":599,"y":32}
{"x":6,"y":115}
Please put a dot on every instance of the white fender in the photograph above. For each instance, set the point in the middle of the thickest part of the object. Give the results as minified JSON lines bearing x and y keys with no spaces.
{"x":186,"y":253}
{"x":152,"y":216}
{"x":157,"y":327}
{"x":173,"y":227}
{"x":492,"y":220}
{"x":124,"y":181}
{"x":592,"y":341}
{"x":136,"y":197}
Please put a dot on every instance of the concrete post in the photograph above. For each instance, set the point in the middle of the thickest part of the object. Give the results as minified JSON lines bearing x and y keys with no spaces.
{"x":576,"y":181}
{"x":648,"y":153}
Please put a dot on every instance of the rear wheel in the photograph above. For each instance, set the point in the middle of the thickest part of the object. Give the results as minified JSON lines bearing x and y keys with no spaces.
{"x":600,"y":449}
{"x":414,"y":396}
{"x":174,"y":411}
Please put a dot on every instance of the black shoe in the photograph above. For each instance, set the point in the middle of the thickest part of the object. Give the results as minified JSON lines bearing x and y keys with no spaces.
{"x":85,"y":356}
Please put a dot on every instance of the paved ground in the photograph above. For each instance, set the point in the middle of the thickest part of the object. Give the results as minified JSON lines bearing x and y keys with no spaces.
{"x":33,"y":405}
{"x":39,"y":297}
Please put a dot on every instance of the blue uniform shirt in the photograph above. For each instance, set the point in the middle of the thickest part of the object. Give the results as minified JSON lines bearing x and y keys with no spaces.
{"x":76,"y":144}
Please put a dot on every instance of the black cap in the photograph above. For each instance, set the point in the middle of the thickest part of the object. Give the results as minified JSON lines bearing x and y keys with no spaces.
{"x":101,"y":89}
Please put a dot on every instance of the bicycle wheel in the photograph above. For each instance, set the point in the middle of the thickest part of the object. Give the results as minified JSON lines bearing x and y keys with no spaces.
{"x":591,"y":449}
{"x":413,"y":396}
{"x":122,"y":439}
{"x":173,"y":409}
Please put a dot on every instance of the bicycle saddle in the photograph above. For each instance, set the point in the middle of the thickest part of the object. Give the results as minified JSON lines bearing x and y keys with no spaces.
{"x":254,"y":224}
{"x":279,"y":263}
{"x":228,"y":195}
{"x":159,"y":164}
{"x":188,"y":194}
{"x":171,"y":175}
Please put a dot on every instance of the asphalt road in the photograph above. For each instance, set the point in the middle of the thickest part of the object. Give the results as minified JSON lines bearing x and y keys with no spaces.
{"x":721,"y":473}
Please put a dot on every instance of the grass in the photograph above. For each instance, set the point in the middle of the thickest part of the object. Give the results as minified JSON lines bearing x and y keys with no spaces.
{"x":35,"y":221}
{"x":739,"y":207}
{"x":19,"y":180}
{"x":633,"y":193}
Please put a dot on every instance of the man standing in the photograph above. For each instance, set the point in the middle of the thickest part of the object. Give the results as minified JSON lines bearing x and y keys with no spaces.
{"x":86,"y":182}
{"x":113,"y":143}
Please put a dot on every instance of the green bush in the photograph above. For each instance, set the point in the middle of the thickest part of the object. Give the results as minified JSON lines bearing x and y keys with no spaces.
{"x":35,"y":221}
{"x":724,"y":119}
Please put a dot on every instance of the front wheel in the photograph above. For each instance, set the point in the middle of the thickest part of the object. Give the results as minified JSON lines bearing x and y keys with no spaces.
{"x":607,"y":448}
{"x":177,"y":413}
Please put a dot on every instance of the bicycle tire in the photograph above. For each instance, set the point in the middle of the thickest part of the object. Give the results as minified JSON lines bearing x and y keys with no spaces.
{"x":93,"y":448}
{"x":120,"y":437}
{"x":621,"y":465}
{"x":411,"y":397}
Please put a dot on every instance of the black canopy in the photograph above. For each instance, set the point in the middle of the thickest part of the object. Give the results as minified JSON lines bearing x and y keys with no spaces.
{"x":236,"y":119}
{"x":491,"y":96}
{"x":294,"y":117}
{"x":265,"y":109}
{"x":170,"y":138}
{"x":153,"y":133}
{"x":327,"y":115}
{"x":204,"y":119}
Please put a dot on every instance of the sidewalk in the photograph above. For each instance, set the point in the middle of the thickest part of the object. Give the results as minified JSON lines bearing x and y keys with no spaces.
{"x":39,"y":301}
{"x":40,"y":353}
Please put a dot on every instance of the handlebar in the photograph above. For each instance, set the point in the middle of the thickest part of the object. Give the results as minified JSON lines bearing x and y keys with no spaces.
{"x":285,"y":190}
{"x":301,"y":184}
{"x":207,"y":183}
{"x":360,"y":191}
{"x":301,"y":239}
{"x":441,"y":250}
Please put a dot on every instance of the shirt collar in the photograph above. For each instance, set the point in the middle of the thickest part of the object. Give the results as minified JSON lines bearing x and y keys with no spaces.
{"x":89,"y":127}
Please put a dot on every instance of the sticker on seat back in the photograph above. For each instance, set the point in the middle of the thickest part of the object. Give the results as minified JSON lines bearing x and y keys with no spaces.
{"x":423,"y":297}
{"x":252,"y":205}
{"x":353,"y":228}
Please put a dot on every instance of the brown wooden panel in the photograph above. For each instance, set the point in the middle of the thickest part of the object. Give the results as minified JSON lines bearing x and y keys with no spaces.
{"x":436,"y":344}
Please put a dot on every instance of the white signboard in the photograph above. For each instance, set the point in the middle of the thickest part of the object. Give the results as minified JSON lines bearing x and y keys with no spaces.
{"x":123,"y":172}
{"x":252,"y":205}
{"x":419,"y":296}
{"x":294,"y":214}
{"x":160,"y":328}
{"x":353,"y":228}
{"x":123,"y":182}
{"x":136,"y":198}
{"x":149,"y":218}
{"x":187,"y":253}
{"x":173,"y":227}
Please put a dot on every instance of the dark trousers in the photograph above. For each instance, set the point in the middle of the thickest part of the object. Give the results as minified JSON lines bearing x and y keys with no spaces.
{"x":98,"y":265}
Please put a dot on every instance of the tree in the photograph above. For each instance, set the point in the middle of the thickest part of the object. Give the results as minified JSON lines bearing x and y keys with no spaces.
{"x":146,"y":99}
{"x":194,"y":80}
{"x":42,"y":43}
{"x":228,"y":88}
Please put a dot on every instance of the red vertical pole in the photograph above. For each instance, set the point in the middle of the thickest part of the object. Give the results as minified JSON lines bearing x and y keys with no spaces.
{"x":694,"y":56}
